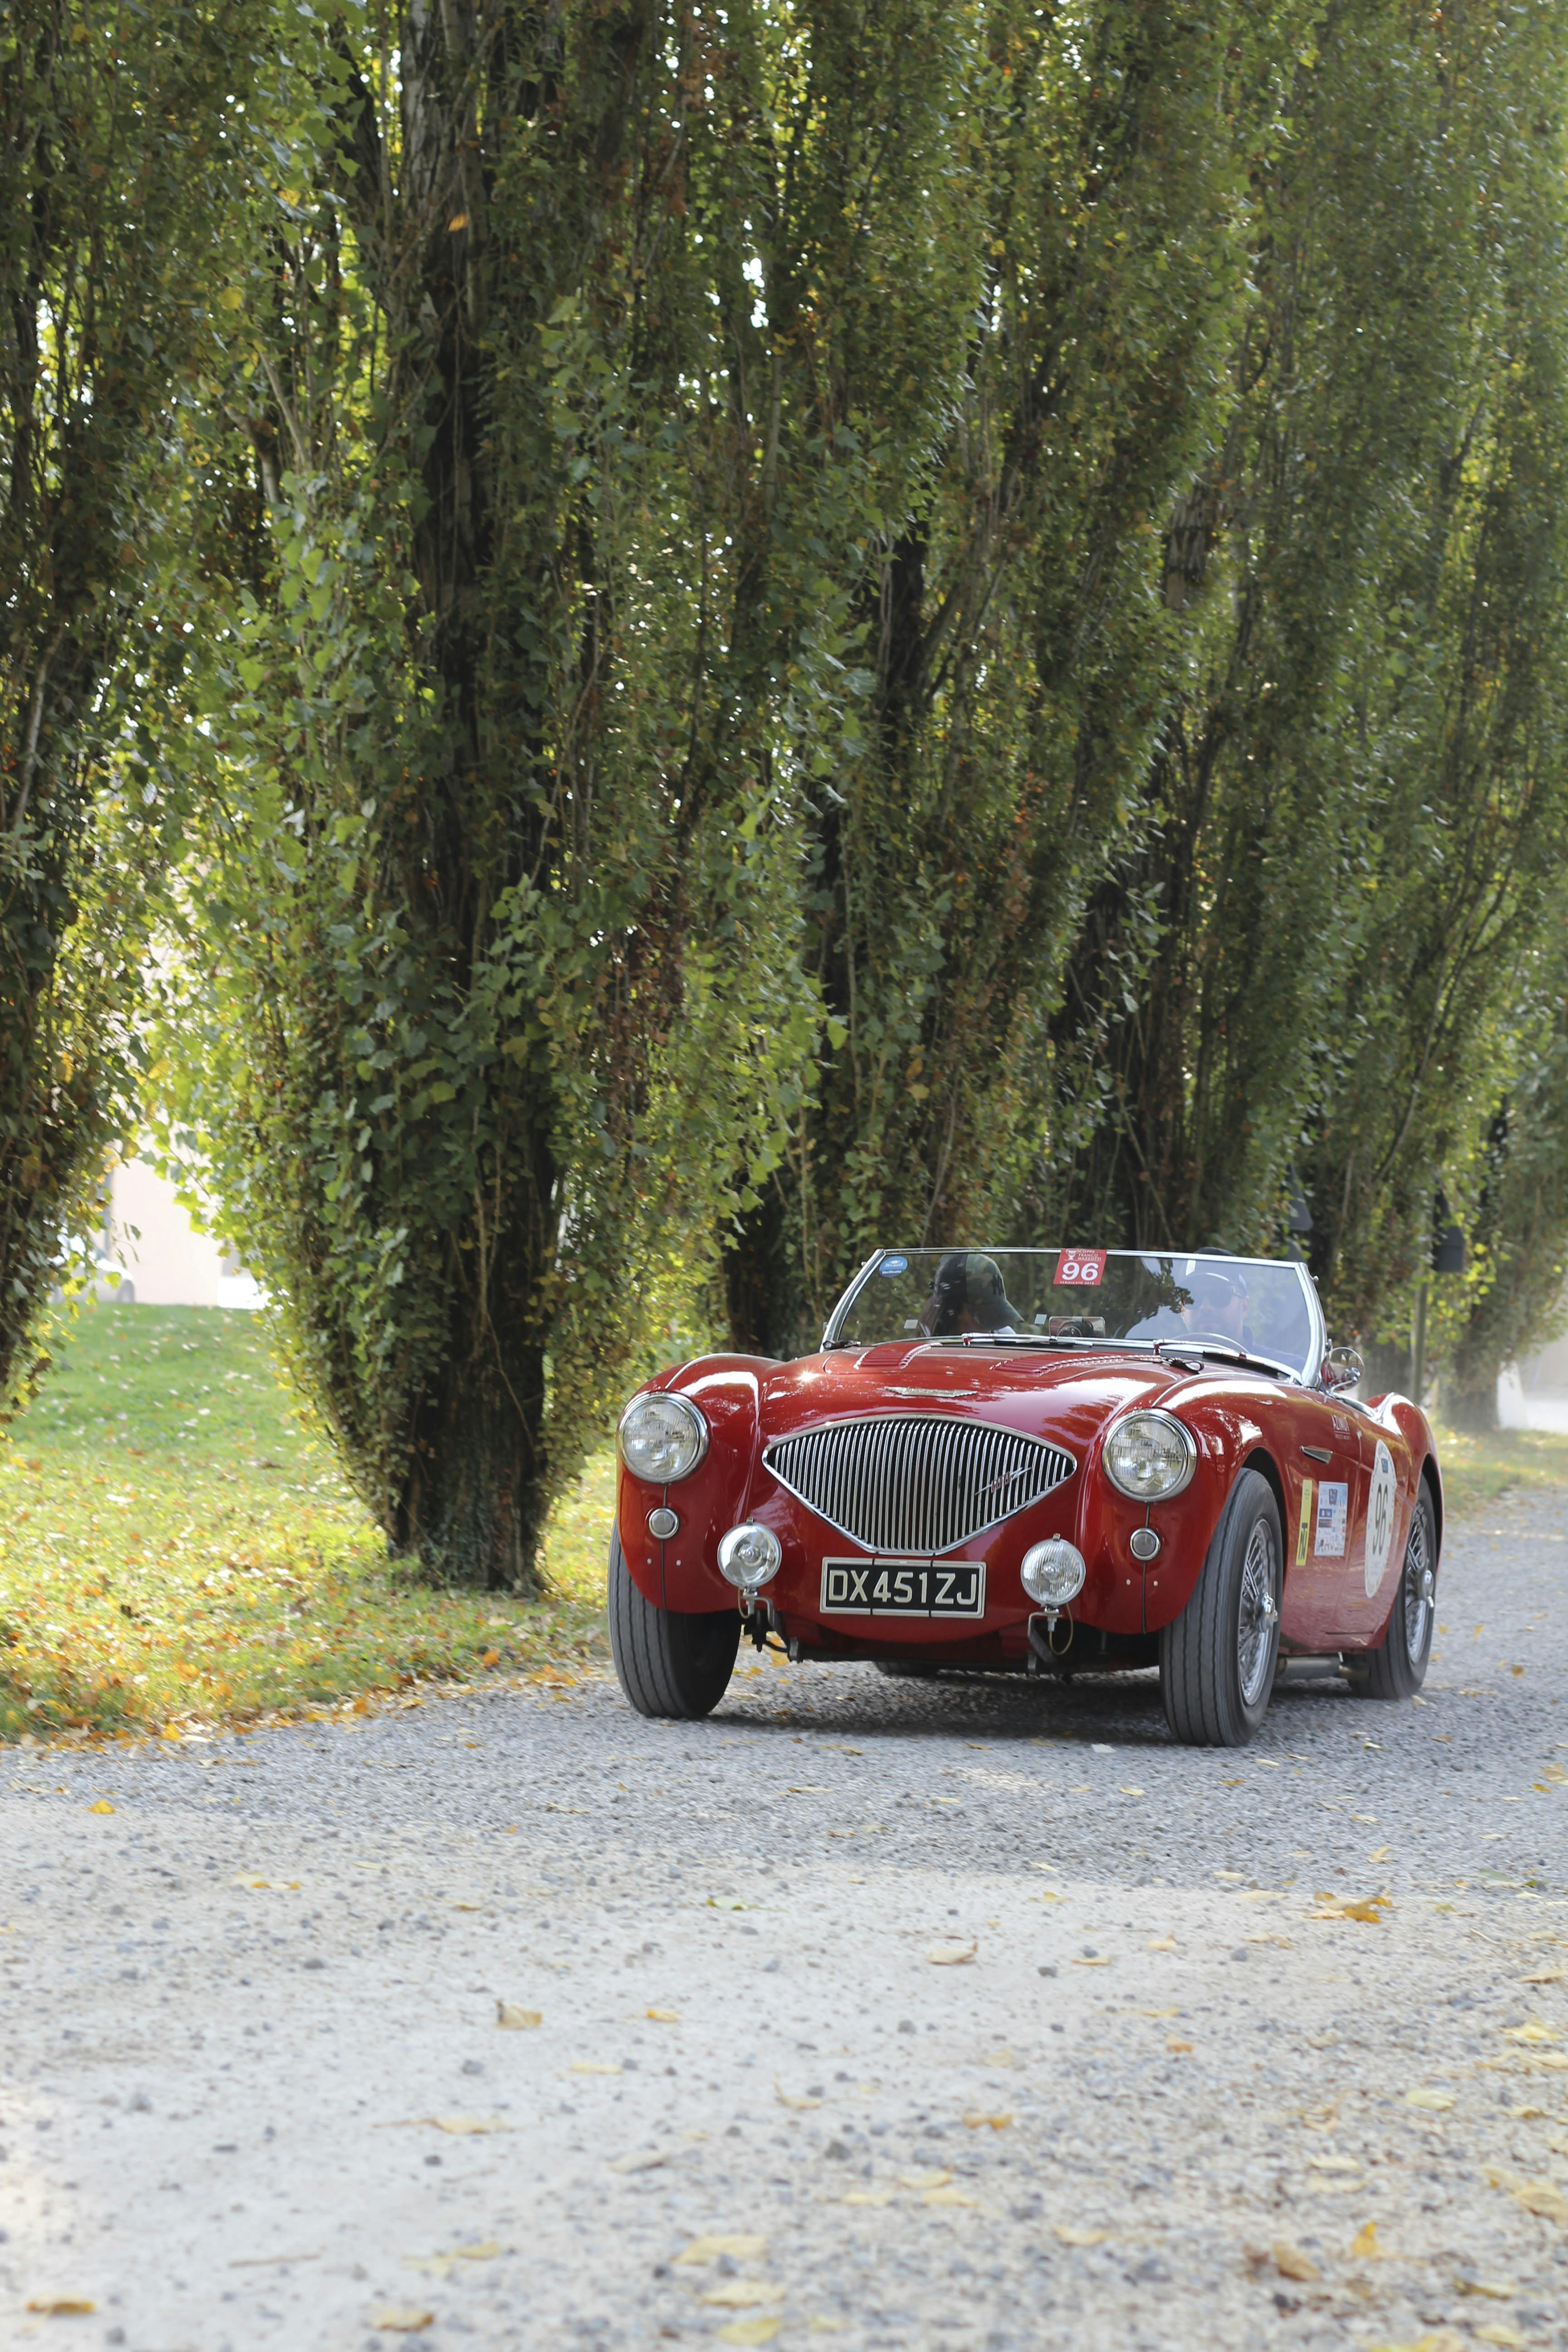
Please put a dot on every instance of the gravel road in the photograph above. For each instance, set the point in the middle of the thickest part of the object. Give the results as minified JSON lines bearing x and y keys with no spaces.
{"x":254,"y":2091}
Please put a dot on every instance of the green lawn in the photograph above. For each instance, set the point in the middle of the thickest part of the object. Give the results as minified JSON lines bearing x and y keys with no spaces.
{"x":175,"y":1546}
{"x":1476,"y":1470}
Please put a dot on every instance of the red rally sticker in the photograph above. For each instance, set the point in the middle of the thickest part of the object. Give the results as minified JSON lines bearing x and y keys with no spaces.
{"x":1083,"y":1266}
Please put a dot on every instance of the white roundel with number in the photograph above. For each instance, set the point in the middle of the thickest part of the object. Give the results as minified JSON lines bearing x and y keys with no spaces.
{"x":1380,"y":1517}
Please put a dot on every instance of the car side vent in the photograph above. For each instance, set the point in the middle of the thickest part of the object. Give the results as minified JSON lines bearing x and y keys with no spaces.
{"x":915,"y":1484}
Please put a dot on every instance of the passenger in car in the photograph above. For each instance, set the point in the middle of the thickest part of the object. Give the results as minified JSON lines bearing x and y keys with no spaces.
{"x":969,"y":1295}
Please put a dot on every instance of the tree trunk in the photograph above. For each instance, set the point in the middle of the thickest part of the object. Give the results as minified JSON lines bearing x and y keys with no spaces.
{"x":1468,"y":1396}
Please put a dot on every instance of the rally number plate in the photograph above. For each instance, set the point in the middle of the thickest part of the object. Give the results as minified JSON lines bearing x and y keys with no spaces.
{"x":903,"y":1588}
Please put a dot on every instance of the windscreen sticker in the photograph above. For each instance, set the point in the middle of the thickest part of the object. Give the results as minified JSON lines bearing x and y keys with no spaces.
{"x":1085,"y":1267}
{"x":1380,"y":1517}
{"x":1303,"y":1532}
{"x":1333,"y":1519}
{"x":891,"y":1266}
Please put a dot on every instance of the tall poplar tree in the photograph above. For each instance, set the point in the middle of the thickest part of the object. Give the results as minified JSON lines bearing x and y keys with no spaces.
{"x":1353,"y":818}
{"x":114,"y":169}
{"x":583,"y":352}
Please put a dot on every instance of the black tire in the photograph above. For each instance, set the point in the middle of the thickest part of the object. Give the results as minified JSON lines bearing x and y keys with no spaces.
{"x":670,"y":1662}
{"x":1399,"y":1668}
{"x":1216,"y":1661}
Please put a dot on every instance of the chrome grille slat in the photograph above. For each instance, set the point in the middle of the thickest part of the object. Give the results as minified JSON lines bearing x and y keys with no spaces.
{"x":916,"y":1484}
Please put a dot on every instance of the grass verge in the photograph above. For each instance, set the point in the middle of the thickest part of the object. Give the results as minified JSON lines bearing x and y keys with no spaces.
{"x":1477,"y":1470}
{"x":177,"y":1548}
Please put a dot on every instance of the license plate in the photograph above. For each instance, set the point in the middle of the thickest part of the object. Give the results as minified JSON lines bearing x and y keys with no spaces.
{"x":903,"y":1588}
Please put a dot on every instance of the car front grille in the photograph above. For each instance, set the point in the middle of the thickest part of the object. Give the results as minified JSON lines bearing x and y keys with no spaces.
{"x":915,"y":1484}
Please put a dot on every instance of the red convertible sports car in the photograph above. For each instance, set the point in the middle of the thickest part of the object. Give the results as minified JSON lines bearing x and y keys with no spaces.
{"x":1058,"y":1461}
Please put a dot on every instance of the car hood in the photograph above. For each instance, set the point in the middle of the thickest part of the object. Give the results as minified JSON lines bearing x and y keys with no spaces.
{"x":1068,"y":1397}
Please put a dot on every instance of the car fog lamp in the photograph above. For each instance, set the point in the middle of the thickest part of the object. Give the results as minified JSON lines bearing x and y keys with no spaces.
{"x":1150,"y":1455}
{"x":662,"y":1437}
{"x":749,"y":1555}
{"x":1053,"y":1572}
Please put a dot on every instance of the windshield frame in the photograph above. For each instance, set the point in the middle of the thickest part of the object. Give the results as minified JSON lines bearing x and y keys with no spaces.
{"x":1305,"y":1374}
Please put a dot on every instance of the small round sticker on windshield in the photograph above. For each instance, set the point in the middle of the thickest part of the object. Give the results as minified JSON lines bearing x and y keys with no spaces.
{"x":893,"y":1265}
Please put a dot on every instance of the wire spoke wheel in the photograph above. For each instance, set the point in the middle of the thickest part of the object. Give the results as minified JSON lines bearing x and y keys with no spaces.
{"x":1397,"y":1667}
{"x":1418,"y":1594}
{"x":1255,"y":1614}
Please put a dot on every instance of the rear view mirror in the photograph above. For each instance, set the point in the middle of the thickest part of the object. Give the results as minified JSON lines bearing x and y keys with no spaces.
{"x":1342,"y":1369}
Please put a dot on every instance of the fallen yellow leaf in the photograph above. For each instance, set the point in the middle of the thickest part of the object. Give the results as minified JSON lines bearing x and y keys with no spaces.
{"x":1499,"y":2290}
{"x":1161,"y":1944}
{"x":867,"y":2197}
{"x":511,"y":2013}
{"x":951,"y":1955}
{"x":647,"y":2159}
{"x":596,"y":2066}
{"x":1439,"y":2340}
{"x":467,"y":2126}
{"x":62,"y":2306}
{"x":102,"y":1806}
{"x":741,"y":2246}
{"x":790,"y":2099}
{"x":1370,"y":1911}
{"x":1534,"y":2028}
{"x":1178,"y":2049}
{"x":403,"y":2322}
{"x":1438,"y":2102}
{"x":997,"y":2123}
{"x":665,"y":2016}
{"x":1003,"y":2057}
{"x":1539,"y":2197}
{"x":1072,"y":2236}
{"x":748,"y":2331}
{"x":741,"y":2294}
{"x":1291,"y":2263}
{"x":936,"y":2180}
{"x":1093,"y":1961}
{"x":443,"y":2265}
{"x":1498,"y":2331}
{"x":1364,"y":2247}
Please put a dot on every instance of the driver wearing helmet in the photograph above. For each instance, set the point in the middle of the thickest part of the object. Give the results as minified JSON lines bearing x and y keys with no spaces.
{"x":969,"y":1295}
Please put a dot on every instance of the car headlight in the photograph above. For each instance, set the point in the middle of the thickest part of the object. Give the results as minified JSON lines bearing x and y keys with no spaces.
{"x":1053,"y":1572}
{"x":662,"y":1438}
{"x":1150,"y":1455}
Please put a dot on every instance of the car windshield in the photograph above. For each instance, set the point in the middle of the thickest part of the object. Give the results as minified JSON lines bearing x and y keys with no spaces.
{"x":1081,"y":1297}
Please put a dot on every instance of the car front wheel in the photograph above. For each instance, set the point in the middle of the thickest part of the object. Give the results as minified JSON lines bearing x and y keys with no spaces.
{"x":1399,"y":1668}
{"x":1217,"y":1661}
{"x":670,"y":1662}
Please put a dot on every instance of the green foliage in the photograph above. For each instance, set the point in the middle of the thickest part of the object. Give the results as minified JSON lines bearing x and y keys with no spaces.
{"x":1023,"y":652}
{"x":546,"y":630}
{"x":1353,"y":827}
{"x":107,"y":247}
{"x":1516,"y":1212}
{"x":766,"y":631}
